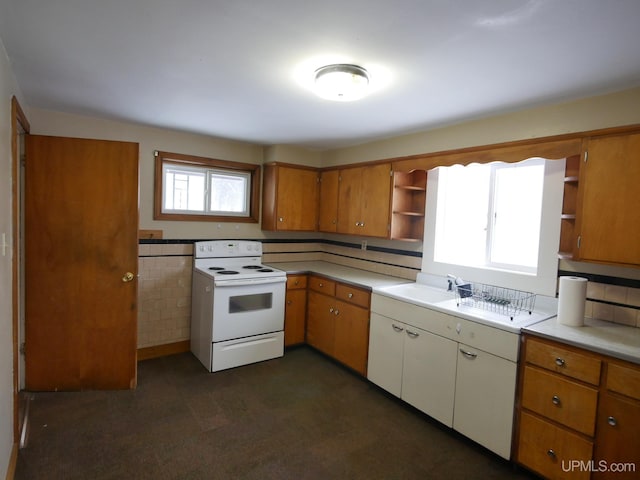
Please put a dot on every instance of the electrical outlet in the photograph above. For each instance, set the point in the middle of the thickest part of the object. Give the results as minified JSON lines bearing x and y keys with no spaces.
{"x":364,"y":245}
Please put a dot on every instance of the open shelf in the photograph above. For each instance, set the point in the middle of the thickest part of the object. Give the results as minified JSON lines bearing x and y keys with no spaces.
{"x":408,"y":205}
{"x":569,"y":208}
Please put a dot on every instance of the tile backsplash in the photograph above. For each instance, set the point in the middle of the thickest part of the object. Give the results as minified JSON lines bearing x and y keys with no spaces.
{"x":165,"y":269}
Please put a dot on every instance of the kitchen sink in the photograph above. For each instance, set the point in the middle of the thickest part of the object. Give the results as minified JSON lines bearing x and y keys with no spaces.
{"x":446,"y":302}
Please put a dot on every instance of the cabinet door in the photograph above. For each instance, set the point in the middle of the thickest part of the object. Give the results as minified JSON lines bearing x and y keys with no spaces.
{"x":294,"y":316}
{"x":429,"y":373}
{"x":485,"y":394}
{"x":375,"y":200}
{"x":349,"y":201}
{"x":297,"y":202}
{"x":351,"y":335}
{"x":618,"y":432}
{"x":328,"y":203}
{"x":386,"y":339}
{"x":609,"y":191}
{"x":321,"y":322}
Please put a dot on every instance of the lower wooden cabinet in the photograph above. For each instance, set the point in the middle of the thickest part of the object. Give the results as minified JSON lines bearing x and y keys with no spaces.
{"x":295,"y":310}
{"x":338,"y":321}
{"x":579,"y":413}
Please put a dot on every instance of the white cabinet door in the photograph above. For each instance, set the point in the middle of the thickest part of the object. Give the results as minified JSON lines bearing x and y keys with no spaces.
{"x":429,"y":373}
{"x":386,"y":337}
{"x":484,"y":403}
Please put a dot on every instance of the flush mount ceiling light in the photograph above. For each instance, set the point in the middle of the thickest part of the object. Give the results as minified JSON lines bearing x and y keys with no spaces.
{"x":341,"y":82}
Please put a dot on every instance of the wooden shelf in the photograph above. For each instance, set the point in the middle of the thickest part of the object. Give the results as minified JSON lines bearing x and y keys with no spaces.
{"x":408,"y":205}
{"x":569,"y":208}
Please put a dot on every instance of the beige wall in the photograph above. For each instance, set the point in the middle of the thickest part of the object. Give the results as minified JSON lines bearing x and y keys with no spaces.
{"x":45,"y":122}
{"x":602,"y":111}
{"x":8,"y":88}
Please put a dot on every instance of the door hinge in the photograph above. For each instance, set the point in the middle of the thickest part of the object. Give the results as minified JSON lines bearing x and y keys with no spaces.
{"x":579,"y":241}
{"x":586,"y":156}
{"x":391,"y":173}
{"x":23,"y":348}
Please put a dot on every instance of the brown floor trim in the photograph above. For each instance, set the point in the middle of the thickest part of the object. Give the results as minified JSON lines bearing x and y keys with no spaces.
{"x":13,"y":460}
{"x":163,"y":350}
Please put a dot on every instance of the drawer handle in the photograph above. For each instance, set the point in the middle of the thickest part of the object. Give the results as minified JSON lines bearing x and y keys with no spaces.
{"x":321,"y":285}
{"x":296,"y":282}
{"x":612,"y":421}
{"x":288,"y":302}
{"x":551,"y":453}
{"x":412,"y":334}
{"x":397,"y":328}
{"x":560,"y":362}
{"x":336,"y":312}
{"x":350,"y":295}
{"x":467,"y":354}
{"x":331,"y":310}
{"x":555,"y":400}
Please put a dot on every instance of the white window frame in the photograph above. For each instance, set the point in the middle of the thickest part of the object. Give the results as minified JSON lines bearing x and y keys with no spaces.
{"x":543,"y":281}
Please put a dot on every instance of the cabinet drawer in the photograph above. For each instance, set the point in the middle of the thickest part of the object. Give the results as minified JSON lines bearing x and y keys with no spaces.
{"x":564,"y":361}
{"x":296,"y":281}
{"x":624,"y":379}
{"x":550,"y":450}
{"x":321,"y":284}
{"x":354,"y":295}
{"x":560,"y":399}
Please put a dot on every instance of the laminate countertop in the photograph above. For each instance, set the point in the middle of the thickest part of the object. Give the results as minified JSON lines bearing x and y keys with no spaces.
{"x":607,"y":338}
{"x":340,"y":273}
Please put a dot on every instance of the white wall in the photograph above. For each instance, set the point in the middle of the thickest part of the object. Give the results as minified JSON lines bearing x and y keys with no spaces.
{"x":8,"y":88}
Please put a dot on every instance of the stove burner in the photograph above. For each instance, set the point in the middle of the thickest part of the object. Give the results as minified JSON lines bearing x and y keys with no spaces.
{"x":216,"y":268}
{"x":227,"y":272}
{"x":265,"y":270}
{"x":252,"y":267}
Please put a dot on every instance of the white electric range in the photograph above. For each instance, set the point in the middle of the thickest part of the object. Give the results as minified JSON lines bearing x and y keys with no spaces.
{"x":237,"y":311}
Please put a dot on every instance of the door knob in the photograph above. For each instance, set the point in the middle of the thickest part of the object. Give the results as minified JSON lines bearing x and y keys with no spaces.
{"x":127,"y":277}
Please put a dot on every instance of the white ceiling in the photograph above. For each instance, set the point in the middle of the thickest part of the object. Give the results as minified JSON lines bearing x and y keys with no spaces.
{"x":231,"y":68}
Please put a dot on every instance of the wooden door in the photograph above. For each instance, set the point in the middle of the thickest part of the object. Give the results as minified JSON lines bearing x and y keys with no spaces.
{"x":81,"y":223}
{"x":349,"y":199}
{"x":320,"y":322}
{"x":352,"y":336}
{"x":609,"y":224}
{"x":297,"y":204}
{"x":328,"y":204}
{"x":294,"y":316}
{"x":376,"y":200}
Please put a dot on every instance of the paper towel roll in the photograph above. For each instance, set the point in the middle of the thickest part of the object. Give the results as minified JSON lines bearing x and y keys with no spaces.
{"x":571,"y":300}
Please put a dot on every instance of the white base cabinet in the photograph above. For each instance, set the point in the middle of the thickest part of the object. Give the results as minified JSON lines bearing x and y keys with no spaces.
{"x":439,"y":364}
{"x":415,"y":365}
{"x":485,"y":399}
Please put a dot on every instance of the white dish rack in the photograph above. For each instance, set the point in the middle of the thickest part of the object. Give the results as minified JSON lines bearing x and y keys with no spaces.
{"x":504,"y":301}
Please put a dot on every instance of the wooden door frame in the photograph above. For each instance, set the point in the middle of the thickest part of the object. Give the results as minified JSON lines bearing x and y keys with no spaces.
{"x":18,"y":120}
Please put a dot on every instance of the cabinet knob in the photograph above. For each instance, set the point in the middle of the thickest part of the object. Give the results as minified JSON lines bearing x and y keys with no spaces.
{"x":280,"y":219}
{"x":551,"y":453}
{"x":350,"y":295}
{"x":612,"y":421}
{"x":288,"y":302}
{"x":297,"y":282}
{"x":336,"y":312}
{"x":357,"y":224}
{"x":321,"y":285}
{"x":555,"y":400}
{"x":560,"y":362}
{"x":330,"y":309}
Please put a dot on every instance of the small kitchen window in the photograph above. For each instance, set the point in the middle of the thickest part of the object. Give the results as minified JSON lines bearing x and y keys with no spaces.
{"x":196,"y":188}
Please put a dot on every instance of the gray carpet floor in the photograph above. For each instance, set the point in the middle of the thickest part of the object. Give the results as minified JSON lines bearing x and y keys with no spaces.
{"x":298,"y":417}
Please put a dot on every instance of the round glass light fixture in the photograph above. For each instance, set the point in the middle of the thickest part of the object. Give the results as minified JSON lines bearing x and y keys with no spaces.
{"x":341,"y":82}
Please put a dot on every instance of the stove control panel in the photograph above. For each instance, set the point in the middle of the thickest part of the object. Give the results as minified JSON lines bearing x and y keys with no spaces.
{"x":227,"y":248}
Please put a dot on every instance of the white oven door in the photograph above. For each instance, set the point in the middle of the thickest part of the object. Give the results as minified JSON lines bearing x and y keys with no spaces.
{"x":247,"y":307}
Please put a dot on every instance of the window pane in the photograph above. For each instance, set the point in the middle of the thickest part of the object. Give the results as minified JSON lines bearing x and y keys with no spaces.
{"x":461,"y":219}
{"x":516,"y":215}
{"x":184,"y":189}
{"x":229,"y":193}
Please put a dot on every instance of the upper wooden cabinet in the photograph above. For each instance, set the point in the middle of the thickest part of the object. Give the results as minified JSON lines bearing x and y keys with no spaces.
{"x":364,"y":197}
{"x":289,"y":198}
{"x":328,"y":205}
{"x":608,"y":220}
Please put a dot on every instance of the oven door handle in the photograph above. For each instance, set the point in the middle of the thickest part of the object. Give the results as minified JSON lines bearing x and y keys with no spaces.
{"x":249,"y":281}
